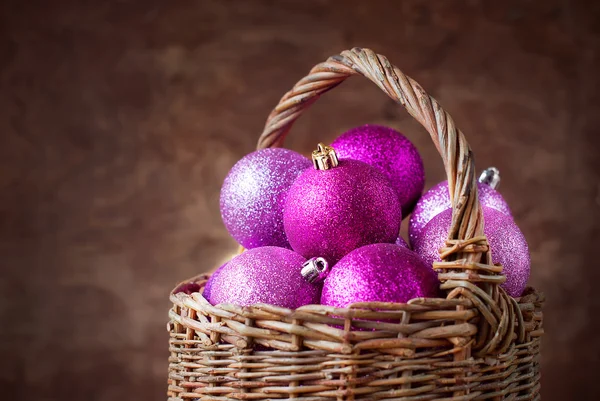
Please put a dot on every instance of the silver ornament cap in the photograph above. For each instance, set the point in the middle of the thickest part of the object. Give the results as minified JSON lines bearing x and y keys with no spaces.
{"x":314,"y":270}
{"x":491,"y":177}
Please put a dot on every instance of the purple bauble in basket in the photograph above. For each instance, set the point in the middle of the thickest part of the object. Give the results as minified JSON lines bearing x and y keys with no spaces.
{"x":437,"y":199}
{"x":253,"y":195}
{"x":507,"y":243}
{"x":330,"y":212}
{"x":392,"y":154}
{"x":267,"y":274}
{"x":379,"y":273}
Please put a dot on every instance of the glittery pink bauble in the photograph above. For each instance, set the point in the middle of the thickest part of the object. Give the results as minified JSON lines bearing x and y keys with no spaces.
{"x":508,"y":245}
{"x":329,"y":213}
{"x":400,"y":241}
{"x":379,"y":273}
{"x":253,"y":195}
{"x":263,"y":275}
{"x":391,"y":153}
{"x":437,"y":199}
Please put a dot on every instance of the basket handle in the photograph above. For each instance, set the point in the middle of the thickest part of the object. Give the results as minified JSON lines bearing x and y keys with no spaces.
{"x":466,"y":245}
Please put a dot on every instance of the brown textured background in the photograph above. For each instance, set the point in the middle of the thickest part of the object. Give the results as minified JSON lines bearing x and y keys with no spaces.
{"x":120,"y":119}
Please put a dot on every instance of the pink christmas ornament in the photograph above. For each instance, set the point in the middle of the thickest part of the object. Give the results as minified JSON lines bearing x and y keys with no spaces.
{"x":253,"y":195}
{"x":437,"y":199}
{"x":392,"y":154}
{"x":335,"y":208}
{"x":507,"y":243}
{"x":379,"y":273}
{"x":263,"y":275}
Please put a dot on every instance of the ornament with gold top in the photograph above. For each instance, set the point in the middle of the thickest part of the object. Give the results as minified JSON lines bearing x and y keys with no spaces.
{"x":338,"y":206}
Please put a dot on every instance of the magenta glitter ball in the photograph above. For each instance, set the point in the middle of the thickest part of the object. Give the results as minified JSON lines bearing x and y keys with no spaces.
{"x":263,"y":275}
{"x":507,"y":243}
{"x":437,"y":199}
{"x":379,"y":273}
{"x":329,"y":213}
{"x":392,"y":154}
{"x":253,"y":195}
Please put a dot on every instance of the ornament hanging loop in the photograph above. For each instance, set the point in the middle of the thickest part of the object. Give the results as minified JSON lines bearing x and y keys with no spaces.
{"x":491,"y":177}
{"x":314,"y":270}
{"x":324,"y":158}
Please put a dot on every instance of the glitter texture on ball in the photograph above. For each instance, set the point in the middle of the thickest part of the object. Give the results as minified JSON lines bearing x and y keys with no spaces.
{"x":402,"y":242}
{"x":437,"y":199}
{"x":206,"y":293}
{"x":253,"y":195}
{"x":263,"y":275}
{"x":329,"y":213}
{"x":392,"y":154}
{"x":508,"y":245}
{"x":379,"y":273}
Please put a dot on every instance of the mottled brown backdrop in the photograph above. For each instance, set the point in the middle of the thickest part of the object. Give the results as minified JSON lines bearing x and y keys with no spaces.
{"x":120,"y":119}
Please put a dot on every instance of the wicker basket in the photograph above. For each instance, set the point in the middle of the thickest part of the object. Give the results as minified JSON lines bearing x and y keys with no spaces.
{"x":476,"y":344}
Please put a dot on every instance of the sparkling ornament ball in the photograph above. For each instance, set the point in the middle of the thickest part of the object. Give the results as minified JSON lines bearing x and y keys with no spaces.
{"x":329,"y":213}
{"x":392,"y":154}
{"x":379,"y":273}
{"x":507,"y":242}
{"x":263,"y":275}
{"x":437,"y":199}
{"x":253,"y":195}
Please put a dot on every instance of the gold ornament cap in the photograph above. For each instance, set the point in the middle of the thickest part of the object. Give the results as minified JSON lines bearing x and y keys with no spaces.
{"x":324,"y":158}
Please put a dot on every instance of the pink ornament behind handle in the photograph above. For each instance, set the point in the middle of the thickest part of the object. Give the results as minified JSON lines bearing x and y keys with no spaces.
{"x":379,"y":273}
{"x":437,"y":200}
{"x":507,"y":243}
{"x":392,"y":154}
{"x":253,"y":195}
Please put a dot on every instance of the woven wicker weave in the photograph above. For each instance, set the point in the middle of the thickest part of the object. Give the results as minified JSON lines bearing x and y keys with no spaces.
{"x":476,"y":344}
